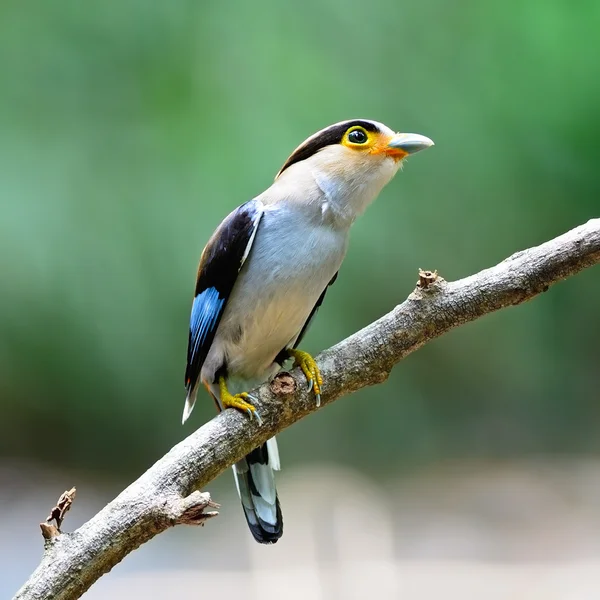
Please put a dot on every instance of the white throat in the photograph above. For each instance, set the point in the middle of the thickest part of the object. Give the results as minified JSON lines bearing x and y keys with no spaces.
{"x":346,"y":198}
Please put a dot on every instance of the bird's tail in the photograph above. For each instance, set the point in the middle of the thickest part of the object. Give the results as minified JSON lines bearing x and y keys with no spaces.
{"x":255,"y":483}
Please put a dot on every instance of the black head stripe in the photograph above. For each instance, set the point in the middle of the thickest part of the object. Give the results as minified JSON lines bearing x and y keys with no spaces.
{"x":327,"y":137}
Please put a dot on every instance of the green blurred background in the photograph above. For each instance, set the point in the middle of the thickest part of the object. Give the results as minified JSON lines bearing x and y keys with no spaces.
{"x":129,"y":130}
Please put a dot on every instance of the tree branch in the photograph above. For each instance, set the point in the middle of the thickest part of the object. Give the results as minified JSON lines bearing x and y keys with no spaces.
{"x":165,"y":495}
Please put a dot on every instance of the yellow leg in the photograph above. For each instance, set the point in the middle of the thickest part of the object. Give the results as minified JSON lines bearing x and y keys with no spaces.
{"x":311,"y":371}
{"x":229,"y":400}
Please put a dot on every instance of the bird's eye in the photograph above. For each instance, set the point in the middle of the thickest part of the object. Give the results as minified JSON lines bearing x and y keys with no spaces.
{"x":357,"y":136}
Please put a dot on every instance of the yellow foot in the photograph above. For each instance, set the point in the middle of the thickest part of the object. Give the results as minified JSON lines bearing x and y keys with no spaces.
{"x":238,"y":401}
{"x":309,"y":367}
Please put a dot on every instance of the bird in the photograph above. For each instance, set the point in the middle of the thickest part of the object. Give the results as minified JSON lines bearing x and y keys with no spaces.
{"x":264,"y":274}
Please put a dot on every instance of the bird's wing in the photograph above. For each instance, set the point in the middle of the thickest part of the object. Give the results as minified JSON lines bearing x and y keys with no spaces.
{"x":313,"y":312}
{"x":220,"y":264}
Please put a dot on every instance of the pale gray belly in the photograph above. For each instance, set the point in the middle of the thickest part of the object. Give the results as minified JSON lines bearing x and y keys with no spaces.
{"x":286,"y":271}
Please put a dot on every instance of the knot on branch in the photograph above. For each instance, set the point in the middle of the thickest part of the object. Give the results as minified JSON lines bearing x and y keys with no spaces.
{"x":429,"y":283}
{"x":283,"y":384}
{"x":426,"y":278}
{"x":190,"y":510}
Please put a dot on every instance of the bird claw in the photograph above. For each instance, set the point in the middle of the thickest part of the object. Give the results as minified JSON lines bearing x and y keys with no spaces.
{"x":239,"y":401}
{"x":255,"y":414}
{"x":311,"y":371}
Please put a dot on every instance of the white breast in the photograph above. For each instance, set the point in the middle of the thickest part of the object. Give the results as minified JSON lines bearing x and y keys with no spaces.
{"x":290,"y":264}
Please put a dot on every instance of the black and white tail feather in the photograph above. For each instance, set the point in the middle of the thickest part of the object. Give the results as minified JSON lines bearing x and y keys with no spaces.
{"x":255,"y":484}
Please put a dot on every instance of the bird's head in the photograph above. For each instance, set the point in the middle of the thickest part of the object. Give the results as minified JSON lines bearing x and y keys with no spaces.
{"x":352,"y":160}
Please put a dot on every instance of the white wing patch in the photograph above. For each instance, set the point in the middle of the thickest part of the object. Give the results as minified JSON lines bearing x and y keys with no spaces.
{"x":255,"y":222}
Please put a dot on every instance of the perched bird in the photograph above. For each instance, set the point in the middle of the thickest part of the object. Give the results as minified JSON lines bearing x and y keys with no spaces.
{"x":264,"y":273}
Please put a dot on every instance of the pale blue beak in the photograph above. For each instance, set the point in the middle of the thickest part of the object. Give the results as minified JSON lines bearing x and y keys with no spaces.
{"x":409,"y":142}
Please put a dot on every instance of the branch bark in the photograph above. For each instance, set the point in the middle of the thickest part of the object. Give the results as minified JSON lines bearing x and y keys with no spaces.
{"x":166,"y":494}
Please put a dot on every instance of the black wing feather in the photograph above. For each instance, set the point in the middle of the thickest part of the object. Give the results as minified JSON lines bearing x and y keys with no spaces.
{"x":220,"y":264}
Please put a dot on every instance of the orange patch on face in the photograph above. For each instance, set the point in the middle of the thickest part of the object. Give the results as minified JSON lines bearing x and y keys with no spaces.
{"x":381,"y":146}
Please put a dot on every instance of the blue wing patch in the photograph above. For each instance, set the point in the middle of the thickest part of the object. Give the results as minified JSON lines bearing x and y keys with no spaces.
{"x":205,"y":315}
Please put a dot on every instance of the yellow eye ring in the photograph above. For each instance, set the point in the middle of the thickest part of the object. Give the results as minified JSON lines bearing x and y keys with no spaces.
{"x":357,"y":136}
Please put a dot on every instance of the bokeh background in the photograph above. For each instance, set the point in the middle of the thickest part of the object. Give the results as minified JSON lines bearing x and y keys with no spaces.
{"x":129,"y":130}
